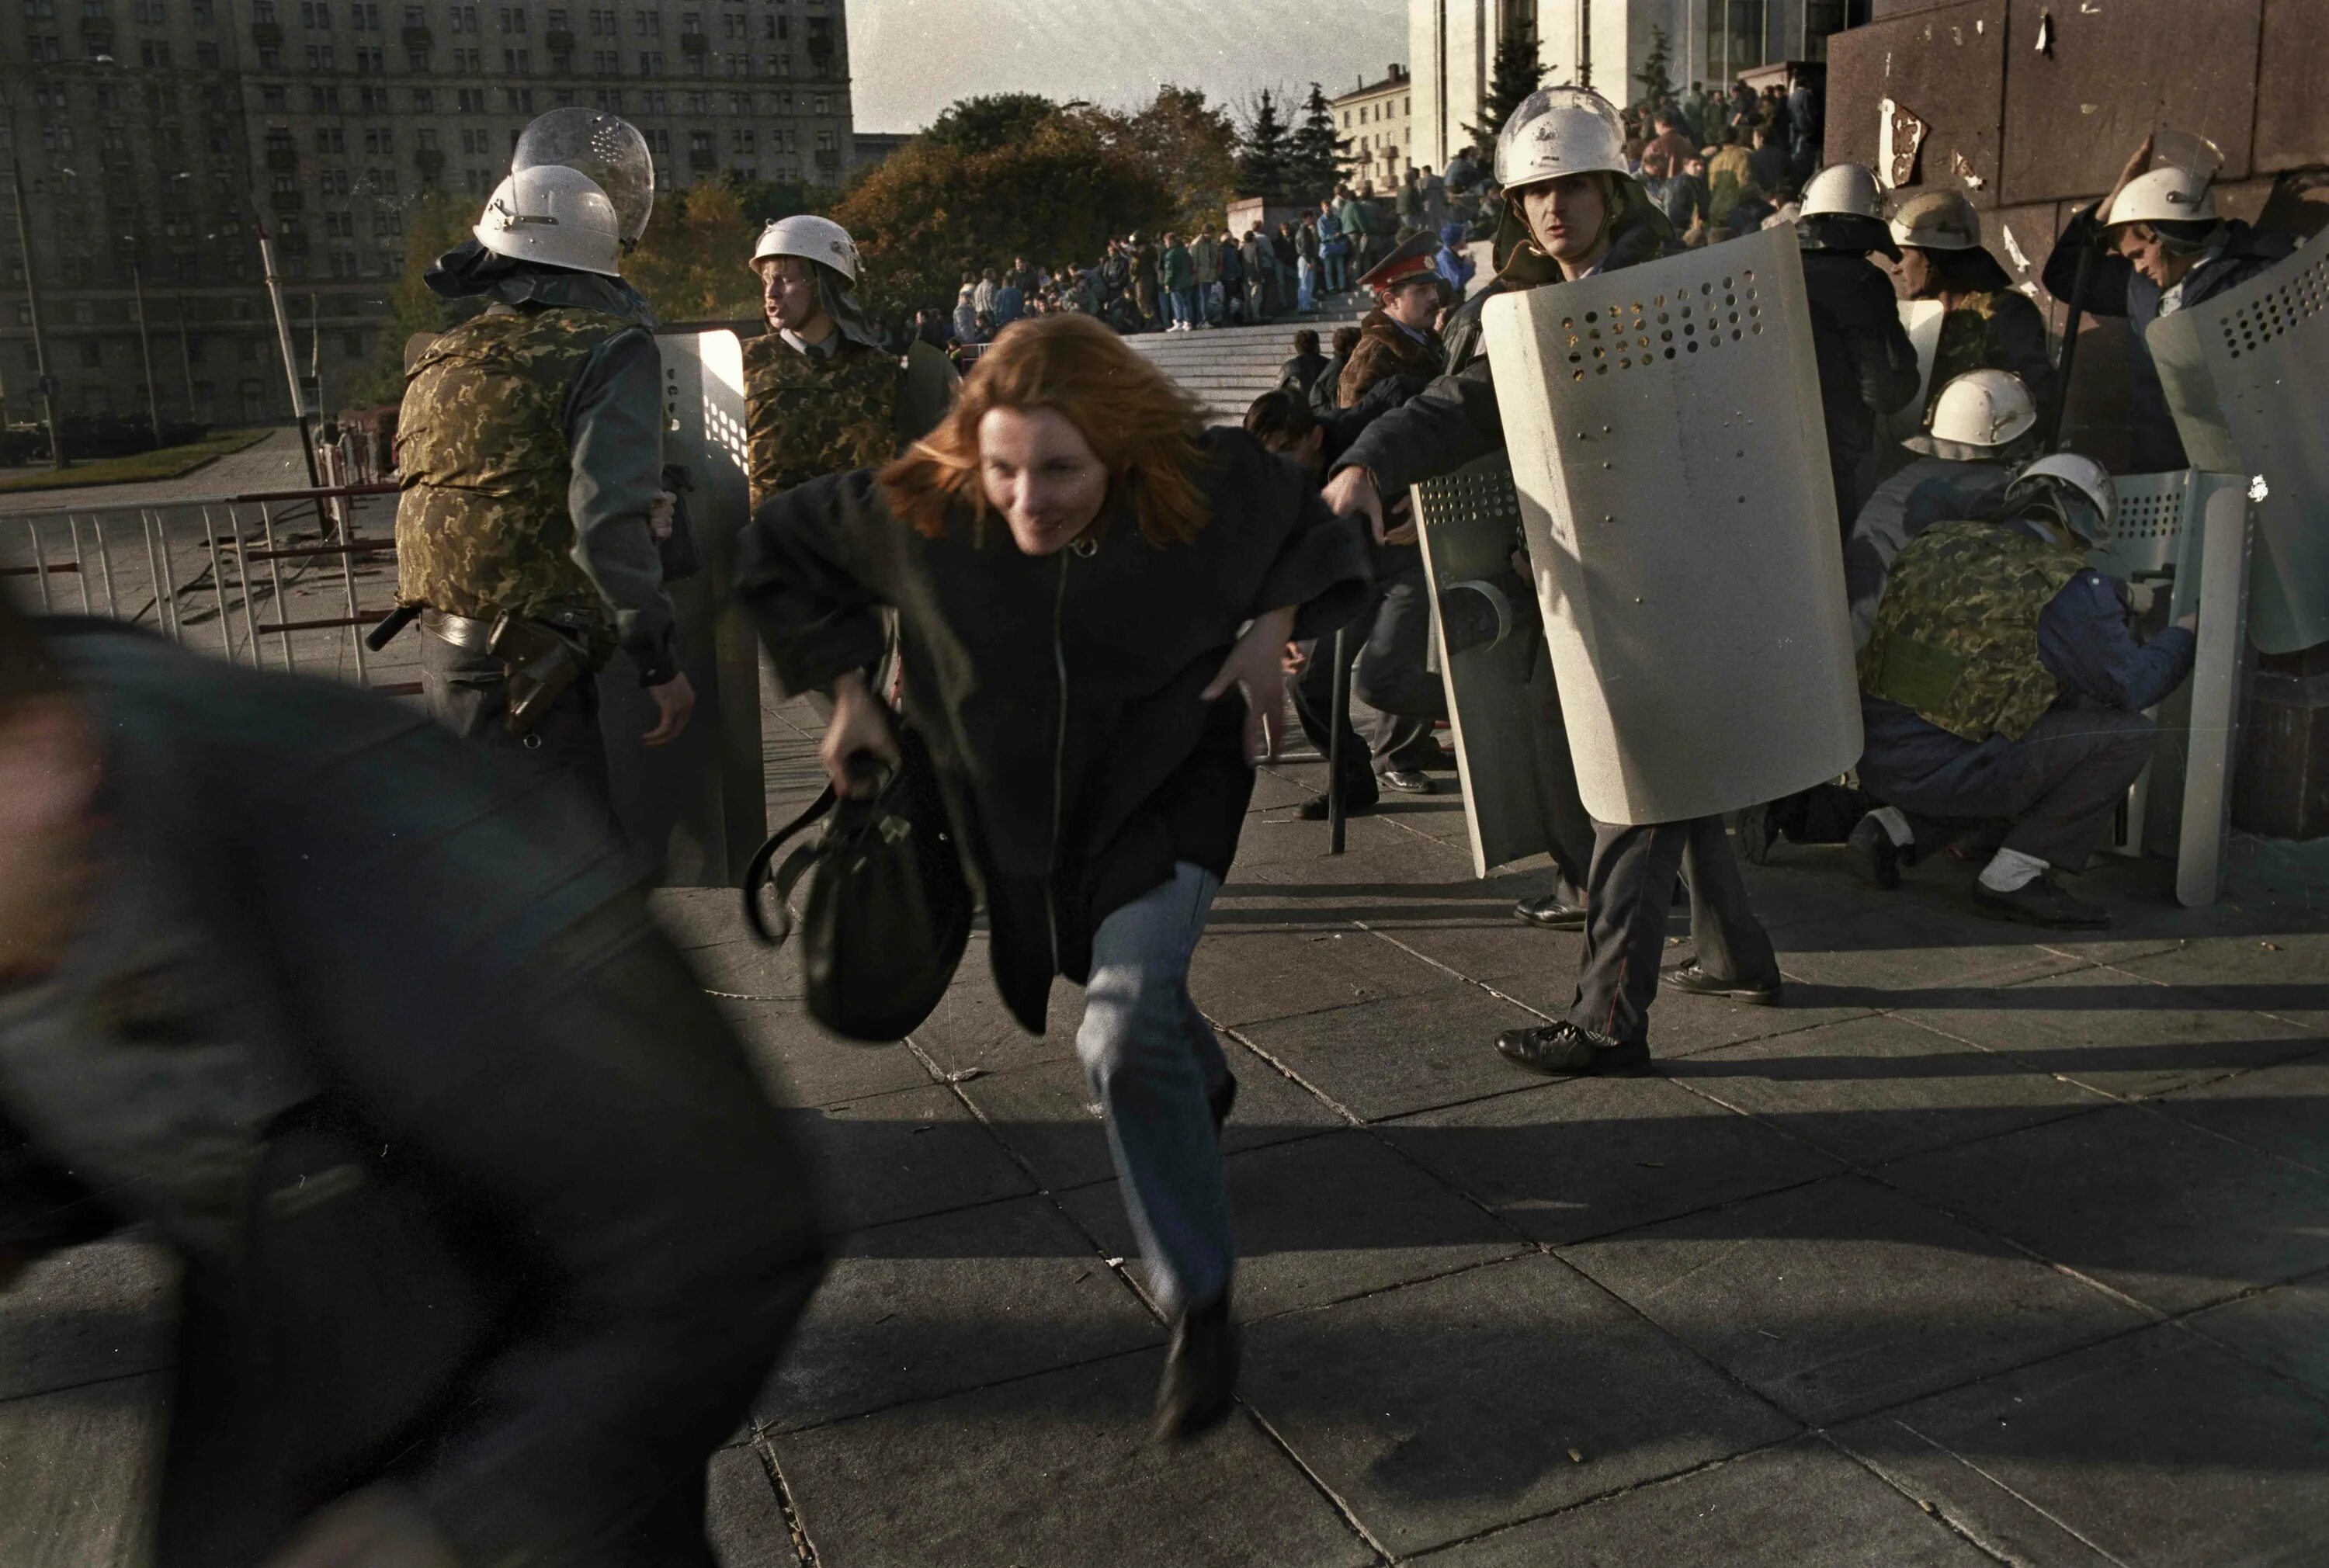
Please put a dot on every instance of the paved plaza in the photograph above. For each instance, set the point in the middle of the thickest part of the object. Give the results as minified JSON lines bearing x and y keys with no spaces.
{"x":1983,"y":1248}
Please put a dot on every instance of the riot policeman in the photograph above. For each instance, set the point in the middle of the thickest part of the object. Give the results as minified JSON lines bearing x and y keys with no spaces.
{"x":1867,"y":366}
{"x":1987,"y":322}
{"x":821,"y":394}
{"x":531,"y":440}
{"x":1573,"y":211}
{"x":2163,"y":248}
{"x":2004,"y":679}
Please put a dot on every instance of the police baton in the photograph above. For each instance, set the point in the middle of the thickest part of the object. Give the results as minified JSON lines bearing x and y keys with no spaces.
{"x":2051,"y":429}
{"x":1338,"y":720}
{"x":395,"y":620}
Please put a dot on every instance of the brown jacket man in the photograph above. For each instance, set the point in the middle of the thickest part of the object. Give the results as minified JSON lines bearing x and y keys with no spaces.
{"x":1398,"y":337}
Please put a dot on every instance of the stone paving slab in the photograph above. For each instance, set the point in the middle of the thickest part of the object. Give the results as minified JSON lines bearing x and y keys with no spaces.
{"x":1445,"y":1409}
{"x":2119,"y":1032}
{"x":1250,"y":976}
{"x":929,"y":1307}
{"x":2170,"y":1215}
{"x":897,"y":1156}
{"x":1878,"y":1088}
{"x":1591,"y":1157}
{"x":1844,"y":1296}
{"x":1326,"y":1218}
{"x":1398,"y":1055}
{"x":2159,"y":1449}
{"x":2283,"y":1110}
{"x":2286,"y":1328}
{"x":1800,"y":1502}
{"x":1056,"y":1472}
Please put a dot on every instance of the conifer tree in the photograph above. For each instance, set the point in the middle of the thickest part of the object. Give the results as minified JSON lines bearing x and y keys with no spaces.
{"x":1317,"y":160}
{"x":1517,"y":74}
{"x":1656,"y":73}
{"x":1263,"y":151}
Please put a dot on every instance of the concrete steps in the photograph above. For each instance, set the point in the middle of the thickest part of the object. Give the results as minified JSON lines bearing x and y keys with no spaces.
{"x":1229,"y":367}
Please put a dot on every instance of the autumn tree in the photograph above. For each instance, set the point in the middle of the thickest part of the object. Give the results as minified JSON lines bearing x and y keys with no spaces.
{"x":1189,"y":145}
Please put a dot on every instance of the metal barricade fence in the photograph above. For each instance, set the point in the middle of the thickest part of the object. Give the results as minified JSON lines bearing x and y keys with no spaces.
{"x":200,"y":560}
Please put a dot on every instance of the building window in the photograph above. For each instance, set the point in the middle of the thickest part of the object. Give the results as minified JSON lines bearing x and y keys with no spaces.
{"x":740,"y":140}
{"x":370,"y":59}
{"x":329,"y":139}
{"x":1735,"y":32}
{"x":518,"y":101}
{"x":650,"y":63}
{"x":324,"y":101}
{"x":472,"y":100}
{"x":153,"y":54}
{"x":647,"y":23}
{"x":424,"y":102}
{"x":517,"y":62}
{"x":319,"y":57}
{"x":92,"y":355}
{"x":513,"y":19}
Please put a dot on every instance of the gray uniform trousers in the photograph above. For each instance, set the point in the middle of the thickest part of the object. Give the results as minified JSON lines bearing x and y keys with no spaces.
{"x":2067,"y":777}
{"x":1628,"y":891}
{"x":468,"y":693}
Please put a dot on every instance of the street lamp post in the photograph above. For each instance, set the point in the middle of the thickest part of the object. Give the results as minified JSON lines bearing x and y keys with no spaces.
{"x":290,"y":356}
{"x":145,"y":344}
{"x":47,"y":383}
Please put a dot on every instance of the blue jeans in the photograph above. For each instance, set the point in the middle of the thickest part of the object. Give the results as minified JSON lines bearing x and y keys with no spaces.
{"x":1192,"y":314}
{"x":1153,"y":1062}
{"x":1309,"y":284}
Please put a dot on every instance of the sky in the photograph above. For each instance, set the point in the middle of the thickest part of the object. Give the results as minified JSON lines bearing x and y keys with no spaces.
{"x":911,"y":57}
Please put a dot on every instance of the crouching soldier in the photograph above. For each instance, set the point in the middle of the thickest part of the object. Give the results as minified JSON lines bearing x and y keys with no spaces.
{"x":2004,"y":681}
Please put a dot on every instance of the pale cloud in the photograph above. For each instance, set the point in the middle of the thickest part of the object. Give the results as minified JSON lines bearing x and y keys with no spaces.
{"x":911,"y":57}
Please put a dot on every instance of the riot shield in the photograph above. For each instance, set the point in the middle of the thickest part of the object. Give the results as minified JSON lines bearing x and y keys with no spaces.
{"x":1499,"y":698}
{"x":702,"y":801}
{"x":1921,"y":320}
{"x":1666,"y":440}
{"x":2246,"y":375}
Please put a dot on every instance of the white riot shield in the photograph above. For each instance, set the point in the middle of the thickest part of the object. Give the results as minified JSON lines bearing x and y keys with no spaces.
{"x":1499,"y":699}
{"x":702,"y":799}
{"x":2247,"y":377}
{"x":1667,"y":444}
{"x":1921,"y":320}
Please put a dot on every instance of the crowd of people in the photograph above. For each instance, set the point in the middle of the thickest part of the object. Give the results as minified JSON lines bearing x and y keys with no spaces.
{"x":491,"y":1290}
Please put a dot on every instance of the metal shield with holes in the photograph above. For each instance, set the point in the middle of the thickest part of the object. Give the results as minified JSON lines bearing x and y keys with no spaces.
{"x":1501,"y":702}
{"x":1666,"y":442}
{"x":2247,"y":376}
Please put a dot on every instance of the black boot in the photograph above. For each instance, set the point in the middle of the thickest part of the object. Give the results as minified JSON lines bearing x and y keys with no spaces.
{"x":1200,"y":1386}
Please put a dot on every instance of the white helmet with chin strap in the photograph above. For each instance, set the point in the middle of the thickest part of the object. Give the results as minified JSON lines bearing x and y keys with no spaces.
{"x":1843,"y":191}
{"x":2087,"y":480}
{"x":819,"y":239}
{"x":556,"y":216}
{"x":1977,"y":417}
{"x":2167,"y":195}
{"x":1556,"y":131}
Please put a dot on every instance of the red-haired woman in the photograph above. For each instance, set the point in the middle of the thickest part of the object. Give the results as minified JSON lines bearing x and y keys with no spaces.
{"x":1084,"y":576}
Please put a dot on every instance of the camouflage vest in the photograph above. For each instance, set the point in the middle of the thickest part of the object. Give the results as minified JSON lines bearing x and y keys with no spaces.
{"x":1956,"y":634}
{"x":482,"y":525}
{"x":1969,"y":340}
{"x":806,"y":417}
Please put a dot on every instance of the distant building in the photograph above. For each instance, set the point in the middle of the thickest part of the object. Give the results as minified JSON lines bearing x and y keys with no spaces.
{"x":1377,"y":120}
{"x":869,"y":148}
{"x":155,"y":131}
{"x":1599,"y":43}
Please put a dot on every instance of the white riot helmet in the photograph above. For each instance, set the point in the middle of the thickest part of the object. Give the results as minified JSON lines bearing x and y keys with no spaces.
{"x":556,"y":216}
{"x":1977,"y":417}
{"x":2167,"y":195}
{"x":1937,"y":221}
{"x":1556,"y":131}
{"x":1843,"y":191}
{"x":819,"y":239}
{"x":604,"y":148}
{"x":2082,"y":492}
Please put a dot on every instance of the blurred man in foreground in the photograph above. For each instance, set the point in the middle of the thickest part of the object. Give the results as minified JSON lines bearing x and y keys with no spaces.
{"x":490,"y":1232}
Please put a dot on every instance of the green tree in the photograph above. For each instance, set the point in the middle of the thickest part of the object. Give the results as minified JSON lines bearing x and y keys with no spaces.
{"x":1263,"y":154}
{"x":1656,"y":75}
{"x":695,"y":261}
{"x":1315,"y":159}
{"x":1517,"y":74}
{"x":936,"y":209}
{"x":991,"y":122}
{"x":1189,"y":144}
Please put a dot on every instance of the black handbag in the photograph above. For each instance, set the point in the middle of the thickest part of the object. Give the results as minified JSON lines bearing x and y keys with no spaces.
{"x":887,"y":911}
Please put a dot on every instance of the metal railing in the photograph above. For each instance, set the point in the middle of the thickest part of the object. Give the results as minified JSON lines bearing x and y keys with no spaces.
{"x":204,"y":562}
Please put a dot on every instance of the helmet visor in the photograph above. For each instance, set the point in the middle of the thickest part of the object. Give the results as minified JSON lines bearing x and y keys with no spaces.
{"x":606,"y":147}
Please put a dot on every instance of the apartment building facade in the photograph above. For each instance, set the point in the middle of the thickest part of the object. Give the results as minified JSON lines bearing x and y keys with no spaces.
{"x":151,"y":137}
{"x":1377,"y":120}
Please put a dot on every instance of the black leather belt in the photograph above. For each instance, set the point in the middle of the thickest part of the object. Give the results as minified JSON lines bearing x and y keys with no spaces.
{"x":466,"y":633}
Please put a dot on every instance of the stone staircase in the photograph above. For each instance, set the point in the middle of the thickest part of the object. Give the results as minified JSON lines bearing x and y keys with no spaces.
{"x":1229,"y":366}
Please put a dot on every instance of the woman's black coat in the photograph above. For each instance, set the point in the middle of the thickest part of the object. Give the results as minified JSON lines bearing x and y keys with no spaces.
{"x":1060,"y":694}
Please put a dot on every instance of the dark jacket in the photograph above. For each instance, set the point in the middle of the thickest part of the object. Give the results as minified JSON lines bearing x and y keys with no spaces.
{"x":1387,"y":349}
{"x":1059,"y":693}
{"x":2113,"y":287}
{"x":1258,"y":255}
{"x":1298,"y":374}
{"x":505,"y":1207}
{"x":1232,"y":267}
{"x":1867,"y":366}
{"x":1456,"y":419}
{"x":1995,"y":329}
